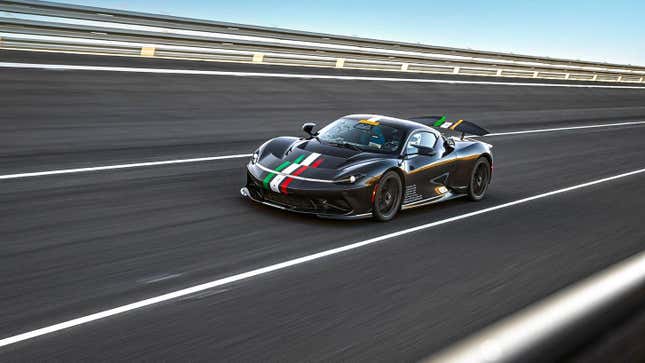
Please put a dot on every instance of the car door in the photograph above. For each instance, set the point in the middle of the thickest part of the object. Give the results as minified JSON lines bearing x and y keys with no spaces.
{"x":426,"y":174}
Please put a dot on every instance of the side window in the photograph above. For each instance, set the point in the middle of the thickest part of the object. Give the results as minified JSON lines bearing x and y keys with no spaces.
{"x":420,"y":138}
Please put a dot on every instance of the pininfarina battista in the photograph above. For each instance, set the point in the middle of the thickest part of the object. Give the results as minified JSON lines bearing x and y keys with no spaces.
{"x":362,"y":166}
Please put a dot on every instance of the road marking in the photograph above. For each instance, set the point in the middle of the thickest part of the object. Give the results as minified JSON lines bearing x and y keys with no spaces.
{"x":158,"y":278}
{"x":298,"y":76}
{"x":286,"y":264}
{"x":121,"y":166}
{"x":566,"y":128}
{"x":222,"y":157}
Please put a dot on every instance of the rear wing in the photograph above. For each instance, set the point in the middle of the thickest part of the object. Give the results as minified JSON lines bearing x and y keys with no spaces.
{"x":441,"y":122}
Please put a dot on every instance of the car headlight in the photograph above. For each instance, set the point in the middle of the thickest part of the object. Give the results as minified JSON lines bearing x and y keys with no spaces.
{"x":255,"y":157}
{"x":353,"y":178}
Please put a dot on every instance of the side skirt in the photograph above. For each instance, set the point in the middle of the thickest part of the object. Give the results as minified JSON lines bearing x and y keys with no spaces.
{"x":433,"y":200}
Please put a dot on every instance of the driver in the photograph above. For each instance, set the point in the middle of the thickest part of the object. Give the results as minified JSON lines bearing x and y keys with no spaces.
{"x":376,"y":137}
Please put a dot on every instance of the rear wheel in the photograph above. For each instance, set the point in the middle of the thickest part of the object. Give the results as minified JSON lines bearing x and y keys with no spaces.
{"x":387,"y":199}
{"x":479,"y":179}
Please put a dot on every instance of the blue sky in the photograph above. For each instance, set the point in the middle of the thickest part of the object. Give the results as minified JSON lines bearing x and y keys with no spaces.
{"x":610,"y":30}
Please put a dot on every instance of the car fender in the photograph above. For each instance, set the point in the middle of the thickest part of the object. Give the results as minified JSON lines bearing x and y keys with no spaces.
{"x":370,"y":170}
{"x":466,"y":158}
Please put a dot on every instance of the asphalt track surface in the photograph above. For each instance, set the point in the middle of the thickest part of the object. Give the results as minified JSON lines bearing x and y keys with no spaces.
{"x":76,"y":244}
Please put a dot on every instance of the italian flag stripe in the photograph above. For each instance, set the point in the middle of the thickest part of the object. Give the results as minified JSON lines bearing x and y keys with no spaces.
{"x":299,"y":159}
{"x":316,"y":163}
{"x":268,"y":178}
{"x":287,"y":181}
{"x":273,"y":181}
{"x":310,"y":159}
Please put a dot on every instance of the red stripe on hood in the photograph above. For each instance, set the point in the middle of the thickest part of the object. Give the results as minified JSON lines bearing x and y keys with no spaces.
{"x":317,"y":162}
{"x":287,"y":181}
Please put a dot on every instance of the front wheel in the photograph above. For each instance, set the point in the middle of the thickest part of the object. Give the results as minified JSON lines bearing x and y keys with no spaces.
{"x":387,"y":197}
{"x":479,"y":179}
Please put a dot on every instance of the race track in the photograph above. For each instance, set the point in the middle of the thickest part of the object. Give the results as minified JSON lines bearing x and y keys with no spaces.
{"x":79,"y":243}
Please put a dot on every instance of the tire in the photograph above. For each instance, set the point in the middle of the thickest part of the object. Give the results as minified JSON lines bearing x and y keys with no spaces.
{"x":479,"y":179}
{"x":388,"y":197}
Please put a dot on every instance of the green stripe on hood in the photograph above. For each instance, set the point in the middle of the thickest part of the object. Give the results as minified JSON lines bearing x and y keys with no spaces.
{"x":299,"y":159}
{"x":268,"y":178}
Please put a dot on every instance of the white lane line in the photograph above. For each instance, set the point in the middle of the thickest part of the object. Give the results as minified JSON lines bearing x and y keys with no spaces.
{"x":283,"y":265}
{"x":121,"y":166}
{"x":196,"y":160}
{"x":158,"y":278}
{"x":567,"y":128}
{"x":298,"y":76}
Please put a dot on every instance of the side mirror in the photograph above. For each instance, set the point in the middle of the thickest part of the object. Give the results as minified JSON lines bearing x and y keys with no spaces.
{"x":308,"y":127}
{"x":424,"y":150}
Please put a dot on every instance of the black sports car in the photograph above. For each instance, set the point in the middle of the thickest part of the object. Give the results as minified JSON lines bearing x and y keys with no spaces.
{"x":370,"y":166}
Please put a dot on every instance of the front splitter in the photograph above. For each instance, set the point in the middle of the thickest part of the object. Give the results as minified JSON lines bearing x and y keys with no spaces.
{"x":246,"y":194}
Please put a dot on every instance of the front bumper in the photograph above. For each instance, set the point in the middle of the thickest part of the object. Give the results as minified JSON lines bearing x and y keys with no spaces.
{"x":245,"y":193}
{"x":325,"y":200}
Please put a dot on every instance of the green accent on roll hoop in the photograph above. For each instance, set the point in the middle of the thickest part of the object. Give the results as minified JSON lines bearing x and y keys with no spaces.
{"x":440,"y":121}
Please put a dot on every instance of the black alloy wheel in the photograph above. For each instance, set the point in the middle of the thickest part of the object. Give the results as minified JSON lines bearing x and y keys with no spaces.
{"x":479,"y":179}
{"x":387,"y":200}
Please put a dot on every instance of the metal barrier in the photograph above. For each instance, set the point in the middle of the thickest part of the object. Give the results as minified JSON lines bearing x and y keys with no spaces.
{"x":548,"y":330}
{"x":100,"y":30}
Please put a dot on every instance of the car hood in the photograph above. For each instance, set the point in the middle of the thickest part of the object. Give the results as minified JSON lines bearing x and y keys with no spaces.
{"x":322,"y":160}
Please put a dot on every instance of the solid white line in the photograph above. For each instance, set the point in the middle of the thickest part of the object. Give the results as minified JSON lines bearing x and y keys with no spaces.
{"x":566,"y":128}
{"x":181,"y":161}
{"x":121,"y":166}
{"x":195,"y":160}
{"x":298,"y":76}
{"x":283,"y":265}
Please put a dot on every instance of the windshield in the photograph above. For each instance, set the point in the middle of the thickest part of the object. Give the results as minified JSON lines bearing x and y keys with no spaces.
{"x":365,"y":135}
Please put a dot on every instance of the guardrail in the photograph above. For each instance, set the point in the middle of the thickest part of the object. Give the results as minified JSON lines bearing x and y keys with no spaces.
{"x":117,"y":32}
{"x":555,"y":327}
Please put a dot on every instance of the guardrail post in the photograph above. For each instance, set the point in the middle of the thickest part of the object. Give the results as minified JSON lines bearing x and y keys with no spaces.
{"x":642,"y":78}
{"x":499,"y":73}
{"x":340,"y":62}
{"x":147,"y":51}
{"x":620,"y":78}
{"x":258,"y":58}
{"x":404,"y":66}
{"x":595,"y":77}
{"x":535,"y":74}
{"x":455,"y":70}
{"x":567,"y":75}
